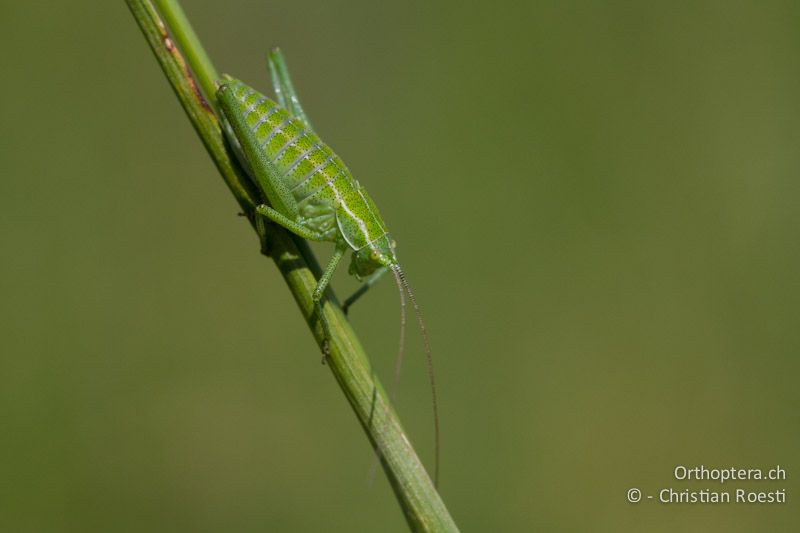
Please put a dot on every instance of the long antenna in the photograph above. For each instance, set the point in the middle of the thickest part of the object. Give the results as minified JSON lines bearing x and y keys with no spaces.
{"x":398,"y":363}
{"x":401,"y":279}
{"x":402,"y":345}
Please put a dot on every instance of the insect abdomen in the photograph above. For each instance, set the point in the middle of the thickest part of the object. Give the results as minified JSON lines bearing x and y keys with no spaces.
{"x":307,"y":167}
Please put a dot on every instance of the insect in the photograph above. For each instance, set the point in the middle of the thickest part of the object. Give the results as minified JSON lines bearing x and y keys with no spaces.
{"x":312,"y":193}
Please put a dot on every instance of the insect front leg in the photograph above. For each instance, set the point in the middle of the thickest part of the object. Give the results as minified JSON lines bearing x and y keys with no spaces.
{"x":362,"y":290}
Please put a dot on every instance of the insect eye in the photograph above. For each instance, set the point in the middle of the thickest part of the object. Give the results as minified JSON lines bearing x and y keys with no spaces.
{"x":374,"y":255}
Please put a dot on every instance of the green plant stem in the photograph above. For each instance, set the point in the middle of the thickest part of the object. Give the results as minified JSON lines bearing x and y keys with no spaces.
{"x":190,"y":46}
{"x":419,"y":500}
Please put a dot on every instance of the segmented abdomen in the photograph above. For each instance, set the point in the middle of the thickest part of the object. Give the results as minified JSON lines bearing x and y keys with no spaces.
{"x":308,"y":167}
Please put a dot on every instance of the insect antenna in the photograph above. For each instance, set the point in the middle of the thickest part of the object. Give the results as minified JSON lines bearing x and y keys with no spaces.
{"x":402,"y":343}
{"x":400,"y":278}
{"x":398,"y":364}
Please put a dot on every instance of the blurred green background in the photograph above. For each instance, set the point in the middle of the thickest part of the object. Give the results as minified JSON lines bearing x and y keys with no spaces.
{"x":596,"y":203}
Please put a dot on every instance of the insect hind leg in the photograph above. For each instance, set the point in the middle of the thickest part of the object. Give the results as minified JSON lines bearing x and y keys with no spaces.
{"x":283,"y":87}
